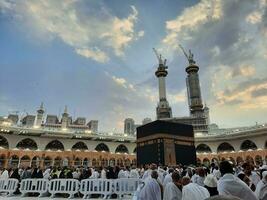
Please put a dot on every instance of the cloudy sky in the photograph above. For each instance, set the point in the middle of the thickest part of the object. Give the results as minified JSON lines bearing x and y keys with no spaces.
{"x":96,"y":57}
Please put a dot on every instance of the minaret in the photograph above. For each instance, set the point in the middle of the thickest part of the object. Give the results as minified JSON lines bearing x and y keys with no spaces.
{"x":39,"y":116}
{"x":64,"y":119}
{"x":193,"y":87}
{"x":163,"y":108}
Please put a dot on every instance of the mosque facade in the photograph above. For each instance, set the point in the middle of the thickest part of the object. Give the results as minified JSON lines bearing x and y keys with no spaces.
{"x":44,"y":140}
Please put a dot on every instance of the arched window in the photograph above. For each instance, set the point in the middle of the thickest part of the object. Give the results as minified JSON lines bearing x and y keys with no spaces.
{"x":85,"y":162}
{"x":14,"y":160}
{"x":121,"y":149}
{"x":27,"y":144}
{"x":102,"y":147}
{"x":47,"y":161}
{"x":201,"y":148}
{"x":3,"y":142}
{"x":258,"y":160}
{"x":248,"y":144}
{"x":2,"y":160}
{"x":77,"y":162}
{"x":35,"y":161}
{"x":206,"y":162}
{"x":225,"y":147}
{"x":55,"y":145}
{"x":58,"y":161}
{"x":80,"y":146}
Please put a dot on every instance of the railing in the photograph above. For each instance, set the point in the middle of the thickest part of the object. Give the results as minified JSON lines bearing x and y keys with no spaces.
{"x":8,"y":185}
{"x":87,"y":187}
{"x":34,"y":185}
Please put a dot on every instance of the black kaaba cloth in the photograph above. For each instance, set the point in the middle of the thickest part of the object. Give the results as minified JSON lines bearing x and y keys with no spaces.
{"x":166,"y":143}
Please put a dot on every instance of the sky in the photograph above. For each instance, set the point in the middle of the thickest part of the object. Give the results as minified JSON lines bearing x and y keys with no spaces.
{"x":96,"y":57}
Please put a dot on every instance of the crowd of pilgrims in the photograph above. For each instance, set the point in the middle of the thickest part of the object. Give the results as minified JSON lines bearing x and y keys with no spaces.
{"x":218,"y":181}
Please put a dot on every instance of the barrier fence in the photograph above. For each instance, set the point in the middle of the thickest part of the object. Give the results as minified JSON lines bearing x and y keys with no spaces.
{"x":87,"y":187}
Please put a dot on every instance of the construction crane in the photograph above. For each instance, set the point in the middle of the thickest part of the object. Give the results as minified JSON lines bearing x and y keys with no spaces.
{"x":160,"y":58}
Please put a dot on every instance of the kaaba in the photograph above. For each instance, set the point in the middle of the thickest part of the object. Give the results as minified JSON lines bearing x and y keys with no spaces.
{"x":166,"y":143}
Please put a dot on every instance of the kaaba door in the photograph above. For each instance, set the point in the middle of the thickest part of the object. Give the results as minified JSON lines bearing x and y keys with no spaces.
{"x":169,"y":152}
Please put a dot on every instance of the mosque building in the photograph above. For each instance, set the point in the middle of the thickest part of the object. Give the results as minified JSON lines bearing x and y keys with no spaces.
{"x":44,"y":139}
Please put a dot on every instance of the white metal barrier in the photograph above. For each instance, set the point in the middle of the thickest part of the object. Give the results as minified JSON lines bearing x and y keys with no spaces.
{"x":124,"y":186}
{"x":8,"y":185}
{"x":63,"y":186}
{"x":96,"y":186}
{"x":39,"y":185}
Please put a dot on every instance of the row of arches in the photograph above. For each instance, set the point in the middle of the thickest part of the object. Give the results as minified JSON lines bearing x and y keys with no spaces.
{"x":226,"y":147}
{"x":58,"y":161}
{"x":56,"y":145}
{"x":258,"y":160}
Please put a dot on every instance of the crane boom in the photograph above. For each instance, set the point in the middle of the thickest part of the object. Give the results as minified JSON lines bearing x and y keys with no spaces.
{"x":181,"y":47}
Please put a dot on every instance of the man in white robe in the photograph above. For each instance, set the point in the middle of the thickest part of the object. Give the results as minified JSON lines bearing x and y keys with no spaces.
{"x":173,"y":189}
{"x":168,"y":177}
{"x":261,"y":184}
{"x":193,"y":191}
{"x":4,"y":174}
{"x":151,"y":190}
{"x":232,"y":185}
{"x":134,"y":173}
{"x":253,"y":176}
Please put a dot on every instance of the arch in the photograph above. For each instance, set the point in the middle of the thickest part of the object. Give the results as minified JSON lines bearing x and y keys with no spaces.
{"x":206,"y":162}
{"x":135,"y":149}
{"x":239,"y":160}
{"x":85,"y":162}
{"x":14,"y":160}
{"x":25,"y":161}
{"x":77,"y":162}
{"x":55,"y":145}
{"x":80,"y":146}
{"x":104,"y":162}
{"x":258,"y":160}
{"x":112,"y":162}
{"x":248,"y":144}
{"x":127,"y":162}
{"x":27,"y":143}
{"x":119,"y":162}
{"x":2,"y":160}
{"x":198,"y":162}
{"x":121,"y":149}
{"x":47,"y":161}
{"x":35,"y":161}
{"x":225,"y":146}
{"x":25,"y":158}
{"x":201,"y":148}
{"x":102,"y":147}
{"x":58,"y":161}
{"x":3,"y":142}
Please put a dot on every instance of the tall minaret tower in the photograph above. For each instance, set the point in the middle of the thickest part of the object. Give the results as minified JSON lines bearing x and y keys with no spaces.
{"x":193,"y":87}
{"x":163,"y":108}
{"x":64,"y":119}
{"x":39,"y":116}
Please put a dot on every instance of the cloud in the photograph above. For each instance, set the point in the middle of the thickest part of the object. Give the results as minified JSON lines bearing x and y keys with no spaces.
{"x":88,"y":27}
{"x":245,"y":71}
{"x":228,"y":39}
{"x":96,"y":54}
